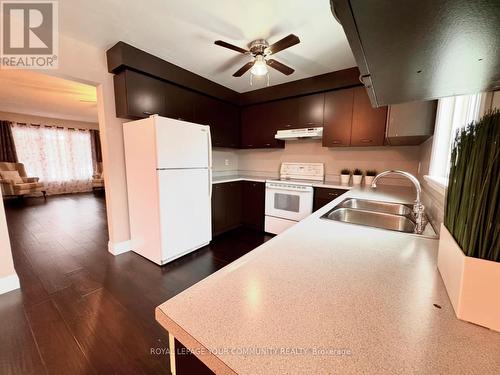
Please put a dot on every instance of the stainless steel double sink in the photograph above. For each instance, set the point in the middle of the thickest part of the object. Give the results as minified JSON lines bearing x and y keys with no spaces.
{"x":391,"y":216}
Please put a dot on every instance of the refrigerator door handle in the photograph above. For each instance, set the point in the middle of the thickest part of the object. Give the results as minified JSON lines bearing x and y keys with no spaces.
{"x":209,"y":139}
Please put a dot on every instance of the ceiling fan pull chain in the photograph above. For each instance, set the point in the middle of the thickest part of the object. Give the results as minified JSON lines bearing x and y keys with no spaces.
{"x":267,"y":75}
{"x":251,"y":79}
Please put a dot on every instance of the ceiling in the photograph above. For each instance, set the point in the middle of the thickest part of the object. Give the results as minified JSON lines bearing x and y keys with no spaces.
{"x":28,"y":92}
{"x":183,"y":31}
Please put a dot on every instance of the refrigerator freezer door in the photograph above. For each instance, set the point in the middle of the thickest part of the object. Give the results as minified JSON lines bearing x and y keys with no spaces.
{"x":185,"y":211}
{"x":181,"y":144}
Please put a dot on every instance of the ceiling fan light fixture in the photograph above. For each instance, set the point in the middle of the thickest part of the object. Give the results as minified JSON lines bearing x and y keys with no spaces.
{"x":259,"y":67}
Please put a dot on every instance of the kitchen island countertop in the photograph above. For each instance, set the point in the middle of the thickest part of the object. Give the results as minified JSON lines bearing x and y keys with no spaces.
{"x":329,"y":297}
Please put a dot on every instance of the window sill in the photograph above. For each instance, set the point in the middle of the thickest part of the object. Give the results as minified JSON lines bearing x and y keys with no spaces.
{"x":438,"y":184}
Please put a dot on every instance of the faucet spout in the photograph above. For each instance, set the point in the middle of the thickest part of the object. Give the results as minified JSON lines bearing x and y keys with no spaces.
{"x":418,"y":207}
{"x":411,"y":177}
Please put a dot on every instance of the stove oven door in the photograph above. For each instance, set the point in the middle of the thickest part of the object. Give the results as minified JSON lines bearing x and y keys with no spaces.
{"x":290,"y":202}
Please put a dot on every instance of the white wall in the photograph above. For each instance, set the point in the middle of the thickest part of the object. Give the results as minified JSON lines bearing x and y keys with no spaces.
{"x":85,"y":63}
{"x":8,"y":276}
{"x":6,"y":264}
{"x":53,"y":121}
{"x":378,"y":158}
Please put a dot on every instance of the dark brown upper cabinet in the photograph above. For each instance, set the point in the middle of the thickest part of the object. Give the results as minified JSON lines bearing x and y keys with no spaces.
{"x":311,"y":109}
{"x":223,"y":119}
{"x":282,"y":114}
{"x":368,"y":123}
{"x":259,"y":124}
{"x":138,"y":96}
{"x":338,"y":118}
{"x":179,"y":102}
{"x":227,"y":129}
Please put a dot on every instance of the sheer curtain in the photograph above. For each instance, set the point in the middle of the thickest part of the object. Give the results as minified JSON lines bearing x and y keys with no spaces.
{"x":452,"y":113}
{"x":60,"y":157}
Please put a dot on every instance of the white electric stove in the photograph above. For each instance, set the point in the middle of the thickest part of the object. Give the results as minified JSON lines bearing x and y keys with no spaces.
{"x":289,"y":199}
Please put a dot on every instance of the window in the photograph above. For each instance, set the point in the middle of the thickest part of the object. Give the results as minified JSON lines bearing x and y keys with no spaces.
{"x":452,"y":114}
{"x":60,"y":157}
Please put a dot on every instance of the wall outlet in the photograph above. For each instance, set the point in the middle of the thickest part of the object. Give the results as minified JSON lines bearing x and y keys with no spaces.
{"x":226,"y":162}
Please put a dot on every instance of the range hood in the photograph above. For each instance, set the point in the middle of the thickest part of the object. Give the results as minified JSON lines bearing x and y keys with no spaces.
{"x":294,"y":134}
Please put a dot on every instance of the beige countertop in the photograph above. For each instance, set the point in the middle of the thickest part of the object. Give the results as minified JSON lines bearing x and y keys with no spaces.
{"x":328,"y":297}
{"x":331,"y":183}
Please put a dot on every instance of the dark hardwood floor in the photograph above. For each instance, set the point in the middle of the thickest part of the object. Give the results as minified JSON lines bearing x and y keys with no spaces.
{"x":81,"y":310}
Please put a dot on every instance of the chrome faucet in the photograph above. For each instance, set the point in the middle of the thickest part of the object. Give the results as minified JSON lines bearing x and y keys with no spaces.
{"x":418,"y":207}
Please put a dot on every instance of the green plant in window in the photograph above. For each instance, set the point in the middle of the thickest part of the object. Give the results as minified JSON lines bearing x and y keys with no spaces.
{"x":472,"y":200}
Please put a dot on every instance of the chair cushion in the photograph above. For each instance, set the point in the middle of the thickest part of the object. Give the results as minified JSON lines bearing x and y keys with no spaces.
{"x":28,"y":187}
{"x":11,"y":175}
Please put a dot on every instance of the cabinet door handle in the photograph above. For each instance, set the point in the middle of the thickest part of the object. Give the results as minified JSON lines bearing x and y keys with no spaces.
{"x":366,"y":141}
{"x":268,"y":144}
{"x":288,"y":126}
{"x":311,"y":123}
{"x":336,"y":142}
{"x":147,"y":113}
{"x":249,"y":145}
{"x":333,"y":194}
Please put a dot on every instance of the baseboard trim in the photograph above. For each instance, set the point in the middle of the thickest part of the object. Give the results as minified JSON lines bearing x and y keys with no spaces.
{"x":9,"y":283}
{"x":119,"y":247}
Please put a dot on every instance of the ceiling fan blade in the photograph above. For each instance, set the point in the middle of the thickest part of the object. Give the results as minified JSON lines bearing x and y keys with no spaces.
{"x":284,"y":43}
{"x":244,"y":69}
{"x":230,"y":46}
{"x":280,"y":67}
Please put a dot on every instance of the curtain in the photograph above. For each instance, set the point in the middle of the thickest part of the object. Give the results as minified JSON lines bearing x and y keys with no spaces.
{"x":7,"y":146}
{"x":60,"y":157}
{"x":96,"y":151}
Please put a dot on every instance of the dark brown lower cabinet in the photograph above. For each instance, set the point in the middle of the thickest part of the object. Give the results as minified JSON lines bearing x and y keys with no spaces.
{"x":237,"y":203}
{"x":226,"y":207}
{"x":187,"y":363}
{"x":253,"y":209}
{"x":323,"y":196}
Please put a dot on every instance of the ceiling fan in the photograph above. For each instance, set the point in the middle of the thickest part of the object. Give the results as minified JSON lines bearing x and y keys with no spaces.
{"x":261,"y":50}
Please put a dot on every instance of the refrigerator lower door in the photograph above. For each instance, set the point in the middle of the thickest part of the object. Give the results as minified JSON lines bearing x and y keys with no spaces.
{"x":185,"y":211}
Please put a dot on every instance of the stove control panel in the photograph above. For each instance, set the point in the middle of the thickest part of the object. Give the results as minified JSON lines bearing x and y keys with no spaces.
{"x":303,"y":171}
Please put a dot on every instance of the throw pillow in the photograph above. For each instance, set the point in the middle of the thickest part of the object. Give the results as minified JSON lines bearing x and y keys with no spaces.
{"x":11,"y":175}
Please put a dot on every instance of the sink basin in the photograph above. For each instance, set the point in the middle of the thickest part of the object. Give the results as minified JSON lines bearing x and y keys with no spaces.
{"x":372,"y":219}
{"x":384,"y":207}
{"x":383,"y":215}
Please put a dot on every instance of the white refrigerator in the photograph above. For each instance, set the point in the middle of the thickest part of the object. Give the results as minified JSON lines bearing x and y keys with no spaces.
{"x":169,"y":186}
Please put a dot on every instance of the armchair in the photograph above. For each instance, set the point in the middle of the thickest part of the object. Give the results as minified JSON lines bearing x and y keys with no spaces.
{"x":98,"y":178}
{"x":14,"y":186}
